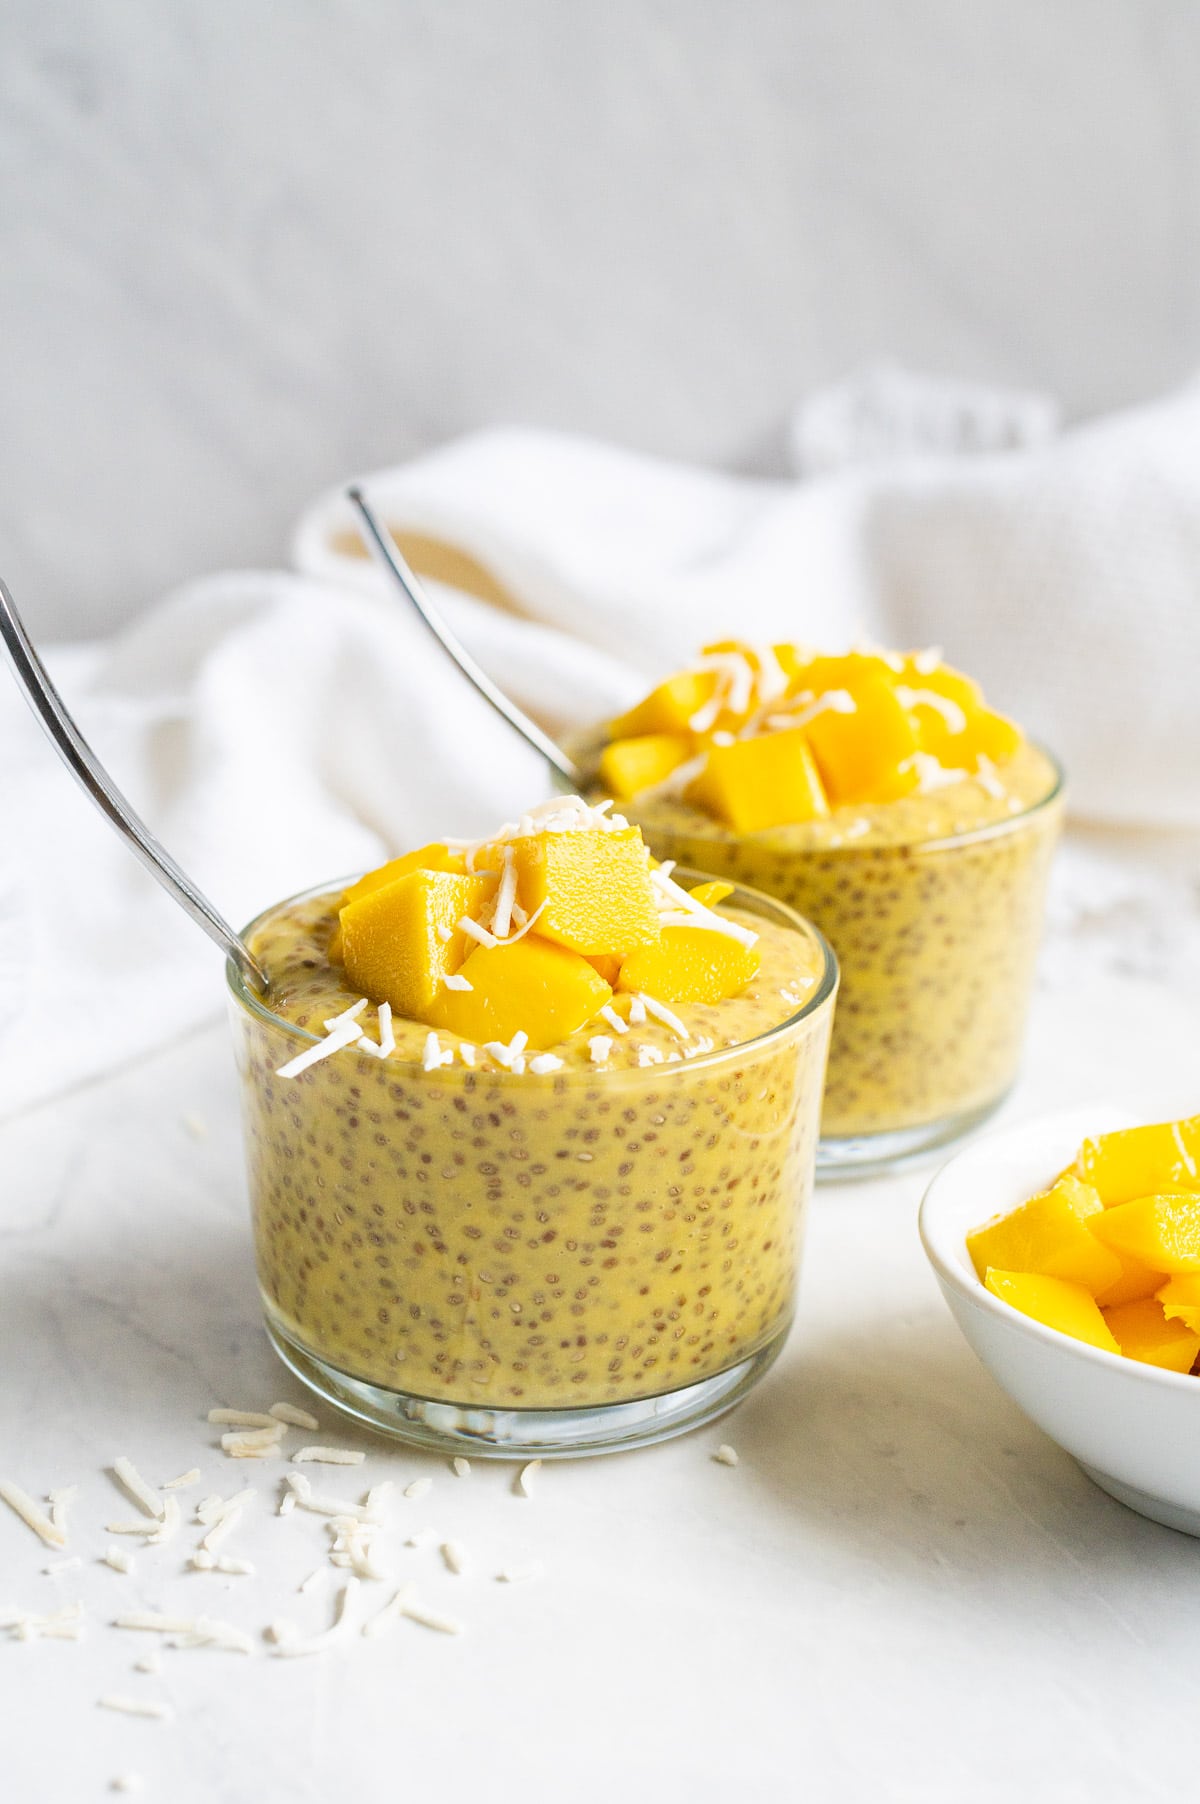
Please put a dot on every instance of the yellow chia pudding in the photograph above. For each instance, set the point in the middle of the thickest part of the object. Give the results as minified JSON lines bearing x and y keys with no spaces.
{"x":531,"y":1127}
{"x":881,"y":797}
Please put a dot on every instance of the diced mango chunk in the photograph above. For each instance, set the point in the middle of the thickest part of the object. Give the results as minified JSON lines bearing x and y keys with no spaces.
{"x":851,"y":671}
{"x":1136,"y":1281}
{"x":1160,"y":1231}
{"x":595,"y":886}
{"x":768,"y":781}
{"x":1056,"y":1303}
{"x":669,"y":708}
{"x":436,"y":857}
{"x":1142,"y":1161}
{"x":865,"y":753}
{"x":1180,"y":1299}
{"x":628,"y":766}
{"x":608,"y":964}
{"x":710,"y":894}
{"x":533,"y":987}
{"x":1143,"y":1332}
{"x":401,"y":939}
{"x":690,"y":964}
{"x":1049,"y":1234}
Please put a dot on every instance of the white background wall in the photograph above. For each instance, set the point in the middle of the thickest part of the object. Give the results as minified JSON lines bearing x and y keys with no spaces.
{"x":247,"y":246}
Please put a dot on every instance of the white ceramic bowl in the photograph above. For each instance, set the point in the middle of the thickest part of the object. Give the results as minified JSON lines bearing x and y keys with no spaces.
{"x":1134,"y":1429}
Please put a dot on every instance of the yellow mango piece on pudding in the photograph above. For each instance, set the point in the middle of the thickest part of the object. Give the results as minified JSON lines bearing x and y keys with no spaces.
{"x":753,"y":784}
{"x":532,"y":987}
{"x":1135,"y":1282}
{"x":427,"y":858}
{"x":1056,"y":1303}
{"x":816,"y":676}
{"x":690,"y":964}
{"x":399,"y":941}
{"x":1142,"y":1161}
{"x":1180,"y":1299}
{"x":333,"y":951}
{"x":1160,"y":1231}
{"x":710,"y":894}
{"x":595,"y":886}
{"x":669,"y":708}
{"x":628,"y":766}
{"x":1049,"y":1234}
{"x":865,"y":753}
{"x":1143,"y":1332}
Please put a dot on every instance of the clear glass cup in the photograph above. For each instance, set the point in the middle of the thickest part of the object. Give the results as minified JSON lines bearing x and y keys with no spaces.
{"x":937,"y":944}
{"x":533,"y":1265}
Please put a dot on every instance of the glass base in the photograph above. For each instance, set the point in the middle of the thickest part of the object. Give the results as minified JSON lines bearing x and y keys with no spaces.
{"x":526,"y":1433}
{"x":844,"y":1158}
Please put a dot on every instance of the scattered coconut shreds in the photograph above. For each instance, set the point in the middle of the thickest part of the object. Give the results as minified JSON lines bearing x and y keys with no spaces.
{"x":56,"y":1568}
{"x":544,"y":1063}
{"x":169,"y":1526}
{"x":254,"y":1443}
{"x":418,"y":1487}
{"x":143,"y":1494}
{"x":519,"y":1575}
{"x":617,"y":1022}
{"x":662,"y":1013}
{"x":378,"y":1495}
{"x":144,"y":1528}
{"x":118,"y":1559}
{"x":337,"y":1041}
{"x":127,"y":1782}
{"x":433,"y":1058}
{"x":317,"y":1577}
{"x":184,"y":1481}
{"x":294,"y":1416}
{"x":454,"y":1557}
{"x":221,"y":1529}
{"x":34,"y":1625}
{"x":460,"y":1467}
{"x":725,"y":1456}
{"x":235,"y":1568}
{"x":429,"y":1619}
{"x":281,"y":1631}
{"x":599,"y":1047}
{"x":211,"y":1510}
{"x":135,"y":1707}
{"x":60,"y":1502}
{"x":202,"y":1560}
{"x":347,"y":1015}
{"x":189,"y":1631}
{"x":424,"y":1537}
{"x":243,"y":1418}
{"x":637,"y":1012}
{"x":320,"y":1505}
{"x":385,"y":1620}
{"x":287,"y":1504}
{"x":466,"y":1053}
{"x":295,"y":1646}
{"x":526,"y":1477}
{"x":327,"y":1456}
{"x":31,"y":1514}
{"x":150,"y":1664}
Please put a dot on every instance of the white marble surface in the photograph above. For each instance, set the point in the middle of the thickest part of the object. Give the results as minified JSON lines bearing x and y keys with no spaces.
{"x":902,"y":1592}
{"x":248,"y":247}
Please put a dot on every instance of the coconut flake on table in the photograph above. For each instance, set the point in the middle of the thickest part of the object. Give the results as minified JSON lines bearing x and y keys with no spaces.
{"x":31,"y":1514}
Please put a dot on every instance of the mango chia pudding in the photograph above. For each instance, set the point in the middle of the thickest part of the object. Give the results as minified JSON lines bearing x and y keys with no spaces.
{"x":881,"y":797}
{"x":531,"y":1126}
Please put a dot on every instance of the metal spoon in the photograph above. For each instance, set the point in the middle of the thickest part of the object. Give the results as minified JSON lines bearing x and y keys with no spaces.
{"x":96,"y":783}
{"x":384,"y":547}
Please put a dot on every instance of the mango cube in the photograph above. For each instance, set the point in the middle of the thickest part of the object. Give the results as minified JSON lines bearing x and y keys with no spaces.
{"x":532,"y":987}
{"x":1142,"y":1161}
{"x":595,"y":886}
{"x":865,"y":755}
{"x":669,"y":708}
{"x":436,"y":857}
{"x":768,"y":781}
{"x":628,"y":766}
{"x":1180,"y":1299}
{"x":401,"y":939}
{"x":1049,"y":1234}
{"x":851,"y":671}
{"x":690,"y":964}
{"x":1143,"y":1332}
{"x":1056,"y":1303}
{"x":710,"y":894}
{"x":1160,"y":1231}
{"x":1135,"y":1282}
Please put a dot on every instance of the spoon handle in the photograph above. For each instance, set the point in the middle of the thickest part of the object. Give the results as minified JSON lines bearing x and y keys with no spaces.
{"x":388,"y":553}
{"x":96,"y":783}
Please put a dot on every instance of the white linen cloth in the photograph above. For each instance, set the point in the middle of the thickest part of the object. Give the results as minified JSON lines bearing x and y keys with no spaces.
{"x":279,"y":729}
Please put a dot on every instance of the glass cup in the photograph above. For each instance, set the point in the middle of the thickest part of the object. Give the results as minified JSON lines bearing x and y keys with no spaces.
{"x":936,"y":942}
{"x":533,"y":1265}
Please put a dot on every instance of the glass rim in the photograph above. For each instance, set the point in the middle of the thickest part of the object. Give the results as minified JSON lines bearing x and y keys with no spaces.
{"x":253,"y":1004}
{"x":967,"y":836}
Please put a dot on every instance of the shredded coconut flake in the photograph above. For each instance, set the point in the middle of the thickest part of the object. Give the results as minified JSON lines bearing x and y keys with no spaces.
{"x":143,"y":1494}
{"x":418,"y":1487}
{"x":242,"y":1418}
{"x":454,"y":981}
{"x":429,"y":1619}
{"x":526,"y":1477}
{"x":616,"y":1022}
{"x":519,"y":1575}
{"x":454,"y":1557}
{"x":184,"y":1481}
{"x":433,"y":1057}
{"x":460,"y":1467}
{"x":295,"y":1646}
{"x":725,"y":1456}
{"x":337,"y":1041}
{"x":327,"y":1456}
{"x":599,"y":1048}
{"x":637,"y":1012}
{"x":292,"y":1414}
{"x":544,"y":1063}
{"x":31,"y":1514}
{"x":118,"y":1559}
{"x":135,"y":1707}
